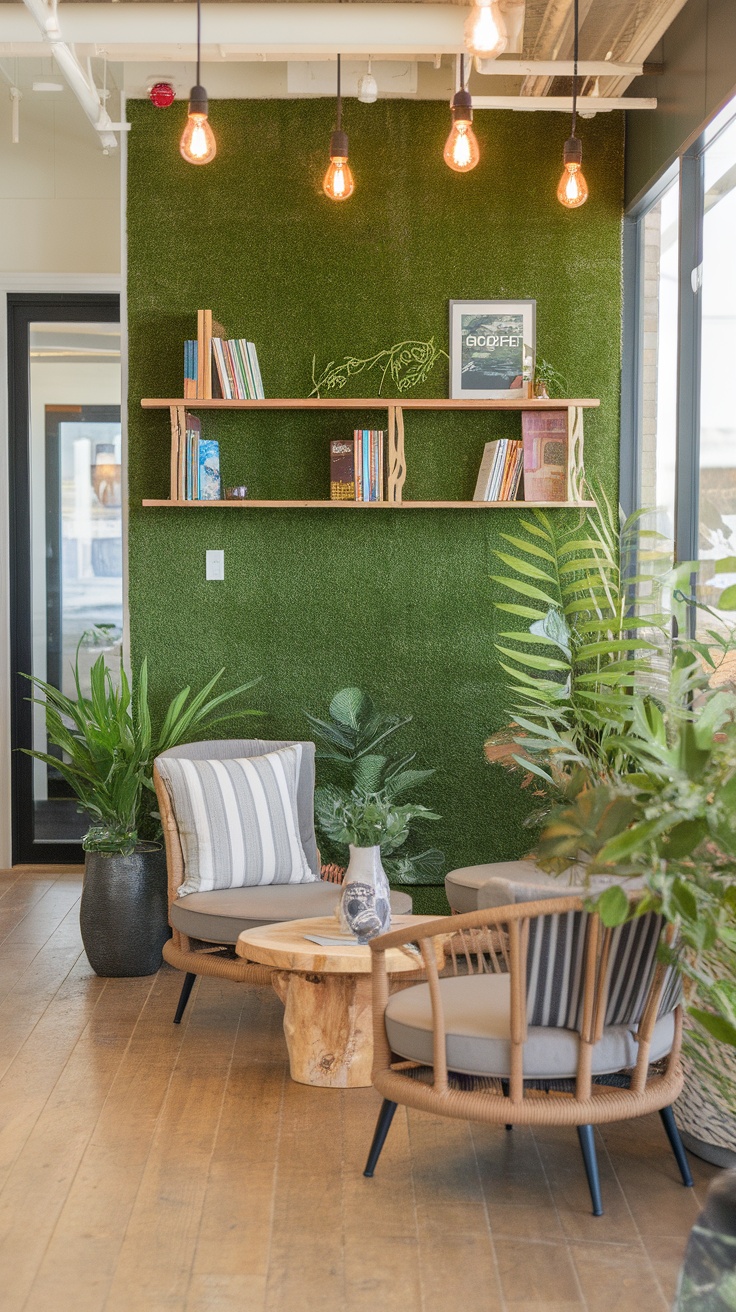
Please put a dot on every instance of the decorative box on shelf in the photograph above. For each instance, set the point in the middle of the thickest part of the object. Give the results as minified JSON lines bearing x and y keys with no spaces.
{"x":396,"y":460}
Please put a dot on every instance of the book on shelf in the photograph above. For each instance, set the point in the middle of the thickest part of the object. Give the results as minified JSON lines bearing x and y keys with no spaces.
{"x":195,"y":461}
{"x":237,"y":369}
{"x":213,"y":361}
{"x":342,"y":470}
{"x":500,"y":471}
{"x":544,"y":434}
{"x":368,"y":464}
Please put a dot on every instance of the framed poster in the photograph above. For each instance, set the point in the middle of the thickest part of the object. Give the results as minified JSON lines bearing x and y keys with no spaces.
{"x":492,"y":348}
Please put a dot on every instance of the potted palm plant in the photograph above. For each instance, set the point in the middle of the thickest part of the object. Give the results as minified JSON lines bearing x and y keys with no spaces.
{"x":108,"y":746}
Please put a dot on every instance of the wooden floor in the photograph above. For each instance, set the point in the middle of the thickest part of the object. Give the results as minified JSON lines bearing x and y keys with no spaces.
{"x":145,"y":1166}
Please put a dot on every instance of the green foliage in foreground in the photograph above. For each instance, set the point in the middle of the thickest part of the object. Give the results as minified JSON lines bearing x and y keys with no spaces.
{"x":109,"y":744}
{"x":628,"y":730}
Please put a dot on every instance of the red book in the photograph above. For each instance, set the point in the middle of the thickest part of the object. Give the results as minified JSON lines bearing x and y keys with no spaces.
{"x":544,"y":433}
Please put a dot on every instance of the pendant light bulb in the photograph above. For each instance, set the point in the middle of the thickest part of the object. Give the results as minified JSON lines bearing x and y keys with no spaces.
{"x":198,"y":145}
{"x":461,"y":151}
{"x":572,"y":191}
{"x":485,"y":30}
{"x":338,"y":182}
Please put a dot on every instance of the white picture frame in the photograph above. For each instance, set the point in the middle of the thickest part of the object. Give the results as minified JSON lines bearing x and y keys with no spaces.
{"x":492,"y":349}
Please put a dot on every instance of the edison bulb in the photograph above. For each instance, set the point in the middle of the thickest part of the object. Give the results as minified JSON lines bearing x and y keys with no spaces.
{"x":197,"y":145}
{"x":461,"y":148}
{"x":338,"y":181}
{"x":485,"y":30}
{"x":573,"y":189}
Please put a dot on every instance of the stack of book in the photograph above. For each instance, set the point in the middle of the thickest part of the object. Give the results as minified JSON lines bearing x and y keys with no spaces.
{"x":236,"y":365}
{"x":237,"y":369}
{"x":196,"y":462}
{"x":356,"y":468}
{"x":500,"y":471}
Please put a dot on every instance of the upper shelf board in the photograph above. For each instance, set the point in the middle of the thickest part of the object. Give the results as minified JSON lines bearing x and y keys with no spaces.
{"x":375,"y":403}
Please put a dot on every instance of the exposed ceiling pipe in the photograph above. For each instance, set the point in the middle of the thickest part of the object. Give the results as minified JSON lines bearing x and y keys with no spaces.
{"x":80,"y":82}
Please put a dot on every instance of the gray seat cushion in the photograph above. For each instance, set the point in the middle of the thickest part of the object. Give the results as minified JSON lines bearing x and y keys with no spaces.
{"x":221,"y":915}
{"x":476,"y":1009}
{"x":501,"y":883}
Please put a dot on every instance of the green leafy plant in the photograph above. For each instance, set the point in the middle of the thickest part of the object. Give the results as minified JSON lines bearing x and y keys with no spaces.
{"x":407,"y":364}
{"x":365,"y":778}
{"x":593,"y":639}
{"x":545,"y":373}
{"x":634,"y":747}
{"x":108,"y":747}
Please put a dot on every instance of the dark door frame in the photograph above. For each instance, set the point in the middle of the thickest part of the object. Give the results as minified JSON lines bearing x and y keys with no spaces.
{"x":23,"y":310}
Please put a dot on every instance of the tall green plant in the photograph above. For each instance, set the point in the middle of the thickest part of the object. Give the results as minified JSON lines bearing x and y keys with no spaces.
{"x":593,"y":638}
{"x":108,"y":747}
{"x":361,"y":773}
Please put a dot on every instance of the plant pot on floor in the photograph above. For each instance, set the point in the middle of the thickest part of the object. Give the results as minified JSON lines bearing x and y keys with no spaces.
{"x":707,"y":1127}
{"x":708,"y":1277}
{"x":124,"y":911}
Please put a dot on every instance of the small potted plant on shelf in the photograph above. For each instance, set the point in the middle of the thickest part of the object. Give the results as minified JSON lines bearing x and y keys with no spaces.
{"x":547,"y":380}
{"x":108,"y":747}
{"x":363,"y":795}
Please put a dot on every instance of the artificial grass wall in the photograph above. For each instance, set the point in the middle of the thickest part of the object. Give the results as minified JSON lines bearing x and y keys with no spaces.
{"x":400,"y":603}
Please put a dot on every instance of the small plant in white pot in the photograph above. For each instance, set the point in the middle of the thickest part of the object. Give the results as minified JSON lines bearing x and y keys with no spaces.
{"x":370,"y":823}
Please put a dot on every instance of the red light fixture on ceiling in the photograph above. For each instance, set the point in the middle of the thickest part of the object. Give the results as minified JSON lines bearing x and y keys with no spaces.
{"x":161,"y":95}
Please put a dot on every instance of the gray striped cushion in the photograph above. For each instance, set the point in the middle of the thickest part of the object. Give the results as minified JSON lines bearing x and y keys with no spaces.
{"x":237,"y":820}
{"x":555,"y":966}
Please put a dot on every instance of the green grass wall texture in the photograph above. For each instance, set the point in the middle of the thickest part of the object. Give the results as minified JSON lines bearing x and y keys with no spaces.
{"x":400,"y":603}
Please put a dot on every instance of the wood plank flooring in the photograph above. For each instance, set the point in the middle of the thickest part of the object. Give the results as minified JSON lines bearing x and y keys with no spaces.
{"x":148,"y":1167}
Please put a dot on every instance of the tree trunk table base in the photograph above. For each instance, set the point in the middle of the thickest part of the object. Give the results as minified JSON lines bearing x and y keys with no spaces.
{"x":328,"y":1025}
{"x":326,"y":992}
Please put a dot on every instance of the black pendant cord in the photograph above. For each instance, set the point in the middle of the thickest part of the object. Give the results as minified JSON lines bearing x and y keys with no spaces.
{"x":575,"y":68}
{"x":199,"y":35}
{"x":339,"y":97}
{"x":462,"y":72}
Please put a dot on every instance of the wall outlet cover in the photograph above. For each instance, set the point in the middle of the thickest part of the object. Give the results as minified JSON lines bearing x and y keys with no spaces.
{"x":214,"y":566}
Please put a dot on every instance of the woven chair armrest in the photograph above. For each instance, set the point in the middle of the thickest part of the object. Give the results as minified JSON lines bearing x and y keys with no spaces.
{"x":486,"y":918}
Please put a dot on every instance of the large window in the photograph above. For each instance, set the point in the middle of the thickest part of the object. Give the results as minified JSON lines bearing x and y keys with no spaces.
{"x":659,"y":261}
{"x":681,"y":429}
{"x":717,"y":462}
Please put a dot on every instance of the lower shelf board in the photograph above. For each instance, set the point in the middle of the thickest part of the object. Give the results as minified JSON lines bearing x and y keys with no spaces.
{"x":368,"y":505}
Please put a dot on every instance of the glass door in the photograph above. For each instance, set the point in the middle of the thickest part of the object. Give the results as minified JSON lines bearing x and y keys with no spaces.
{"x":67,"y":585}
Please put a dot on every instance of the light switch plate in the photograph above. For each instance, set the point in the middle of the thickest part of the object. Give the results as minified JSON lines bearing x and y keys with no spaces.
{"x":215,"y":566}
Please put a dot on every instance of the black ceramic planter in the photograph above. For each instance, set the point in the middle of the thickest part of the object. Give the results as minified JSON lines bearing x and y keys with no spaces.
{"x":708,"y":1277}
{"x":124,"y":912}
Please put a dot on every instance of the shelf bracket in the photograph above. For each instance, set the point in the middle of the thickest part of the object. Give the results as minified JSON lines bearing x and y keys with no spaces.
{"x":575,"y":467}
{"x":396,"y":455}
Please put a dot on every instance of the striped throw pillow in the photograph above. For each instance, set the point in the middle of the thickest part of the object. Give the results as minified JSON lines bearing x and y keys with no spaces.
{"x":237,"y":820}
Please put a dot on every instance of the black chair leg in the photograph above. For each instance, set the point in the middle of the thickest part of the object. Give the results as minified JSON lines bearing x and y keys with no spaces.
{"x":186,"y":989}
{"x":676,"y":1144}
{"x":383,"y":1125}
{"x":587,"y":1144}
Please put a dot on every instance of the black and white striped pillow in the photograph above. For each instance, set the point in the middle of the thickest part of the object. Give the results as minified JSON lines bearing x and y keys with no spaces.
{"x":237,"y":820}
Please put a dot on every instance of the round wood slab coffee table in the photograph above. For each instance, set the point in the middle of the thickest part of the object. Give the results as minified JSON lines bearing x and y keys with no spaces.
{"x":326,"y":991}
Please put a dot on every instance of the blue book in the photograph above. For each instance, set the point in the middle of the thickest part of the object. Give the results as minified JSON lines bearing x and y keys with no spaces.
{"x":209,"y":471}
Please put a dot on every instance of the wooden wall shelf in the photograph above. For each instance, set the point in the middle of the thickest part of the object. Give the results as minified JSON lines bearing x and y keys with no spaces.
{"x":396,"y":458}
{"x":366,"y":505}
{"x":375,"y":403}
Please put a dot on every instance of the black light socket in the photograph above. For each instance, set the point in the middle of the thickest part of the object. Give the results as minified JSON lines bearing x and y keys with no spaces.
{"x":339,"y":144}
{"x":462,"y":107}
{"x":573,"y":153}
{"x":198,"y":103}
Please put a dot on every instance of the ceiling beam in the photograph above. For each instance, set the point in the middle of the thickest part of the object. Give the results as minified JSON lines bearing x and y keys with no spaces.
{"x":587,"y":105}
